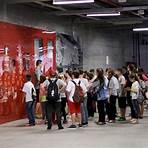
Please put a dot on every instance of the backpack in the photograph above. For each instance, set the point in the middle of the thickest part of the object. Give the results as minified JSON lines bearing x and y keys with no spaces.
{"x":53,"y":91}
{"x":34,"y":95}
{"x":78,"y":96}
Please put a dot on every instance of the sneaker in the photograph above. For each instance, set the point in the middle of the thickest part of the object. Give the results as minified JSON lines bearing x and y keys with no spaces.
{"x":101,"y":123}
{"x":29,"y":125}
{"x":111,"y":121}
{"x":65,"y":122}
{"x":121,"y":119}
{"x":80,"y":125}
{"x":85,"y":124}
{"x":72,"y":126}
{"x":49,"y":128}
{"x":135,"y":121}
{"x":61,"y":127}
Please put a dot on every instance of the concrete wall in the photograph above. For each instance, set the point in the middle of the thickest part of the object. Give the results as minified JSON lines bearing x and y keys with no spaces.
{"x":99,"y":43}
{"x":96,"y":43}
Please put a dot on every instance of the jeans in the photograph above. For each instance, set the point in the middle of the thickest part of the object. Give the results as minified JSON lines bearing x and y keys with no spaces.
{"x":102,"y":109}
{"x":30,"y":107}
{"x":131,"y":105}
{"x":111,"y":108}
{"x":54,"y":107}
{"x":84,"y":111}
{"x":136,"y":109}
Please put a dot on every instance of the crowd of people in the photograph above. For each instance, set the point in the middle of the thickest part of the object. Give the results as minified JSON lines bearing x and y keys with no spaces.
{"x":80,"y":94}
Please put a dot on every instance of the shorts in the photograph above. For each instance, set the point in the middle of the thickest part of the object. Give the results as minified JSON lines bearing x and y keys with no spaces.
{"x":122,"y":102}
{"x":74,"y":107}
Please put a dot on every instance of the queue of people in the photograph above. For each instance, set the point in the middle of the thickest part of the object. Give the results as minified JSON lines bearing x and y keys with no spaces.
{"x":80,"y":94}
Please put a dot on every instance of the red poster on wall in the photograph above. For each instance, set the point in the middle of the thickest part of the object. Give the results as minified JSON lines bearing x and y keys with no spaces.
{"x":17,"y":58}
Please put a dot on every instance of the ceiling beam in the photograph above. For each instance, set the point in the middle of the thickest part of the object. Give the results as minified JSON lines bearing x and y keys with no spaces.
{"x":100,"y":10}
{"x":64,"y":10}
{"x":22,"y":1}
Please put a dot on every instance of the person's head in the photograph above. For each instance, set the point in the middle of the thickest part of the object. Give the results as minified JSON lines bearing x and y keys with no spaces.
{"x":100,"y":75}
{"x":119,"y":72}
{"x":53,"y":74}
{"x":124,"y":70}
{"x":140,"y":77}
{"x":68,"y":74}
{"x":90,"y":76}
{"x":92,"y":71}
{"x":110,"y":73}
{"x":75,"y":74}
{"x":28,"y":77}
{"x":133,"y":77}
{"x":99,"y":72}
{"x":38,"y":63}
{"x":81,"y":73}
{"x":131,"y":67}
{"x":42,"y":78}
{"x":85,"y":74}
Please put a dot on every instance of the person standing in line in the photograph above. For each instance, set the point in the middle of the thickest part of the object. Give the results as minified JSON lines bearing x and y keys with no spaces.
{"x":74,"y":107}
{"x":84,"y":110}
{"x":29,"y":91}
{"x":141,"y":97}
{"x":38,"y":73}
{"x":122,"y":95}
{"x":54,"y":87}
{"x":134,"y":95}
{"x":113,"y":94}
{"x":90,"y":101}
{"x":63,"y":101}
{"x":42,"y":99}
{"x":102,"y":96}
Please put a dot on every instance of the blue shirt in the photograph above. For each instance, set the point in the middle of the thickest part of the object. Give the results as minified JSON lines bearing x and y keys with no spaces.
{"x":103,"y":93}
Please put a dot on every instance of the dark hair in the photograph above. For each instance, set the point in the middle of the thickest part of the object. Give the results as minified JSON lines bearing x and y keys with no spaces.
{"x":133,"y":76}
{"x":38,"y":62}
{"x":81,"y":72}
{"x":28,"y":77}
{"x":111,"y":72}
{"x":140,"y":76}
{"x":92,"y":71}
{"x":76,"y":74}
{"x":131,"y":67}
{"x":100,"y":75}
{"x":90,"y":76}
{"x":120,"y":70}
{"x":69,"y":73}
{"x":42,"y":78}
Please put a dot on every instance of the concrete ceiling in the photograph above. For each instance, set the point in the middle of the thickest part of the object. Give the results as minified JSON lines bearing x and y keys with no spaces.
{"x":129,"y":9}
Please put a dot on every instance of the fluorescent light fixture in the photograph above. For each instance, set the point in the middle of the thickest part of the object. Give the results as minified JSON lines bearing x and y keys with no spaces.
{"x":140,"y":29}
{"x":104,"y":14}
{"x":65,"y":2}
{"x":48,"y":32}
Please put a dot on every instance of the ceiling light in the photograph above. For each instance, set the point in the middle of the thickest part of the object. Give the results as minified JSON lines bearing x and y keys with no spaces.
{"x":48,"y":32}
{"x":140,"y":29}
{"x":104,"y":14}
{"x":64,"y":2}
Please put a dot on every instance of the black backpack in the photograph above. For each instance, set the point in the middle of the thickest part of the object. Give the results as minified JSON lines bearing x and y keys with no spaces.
{"x":53,"y":91}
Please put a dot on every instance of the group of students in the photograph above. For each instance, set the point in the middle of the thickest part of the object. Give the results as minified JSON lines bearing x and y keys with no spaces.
{"x":86,"y":93}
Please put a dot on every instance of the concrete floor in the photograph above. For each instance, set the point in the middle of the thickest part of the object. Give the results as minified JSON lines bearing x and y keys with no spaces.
{"x":12,"y":135}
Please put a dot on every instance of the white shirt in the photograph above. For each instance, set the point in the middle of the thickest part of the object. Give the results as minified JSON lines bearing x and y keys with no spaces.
{"x":122,"y":83}
{"x":86,"y":83}
{"x":135,"y":87}
{"x":71,"y":88}
{"x":28,"y":90}
{"x":114,"y":85}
